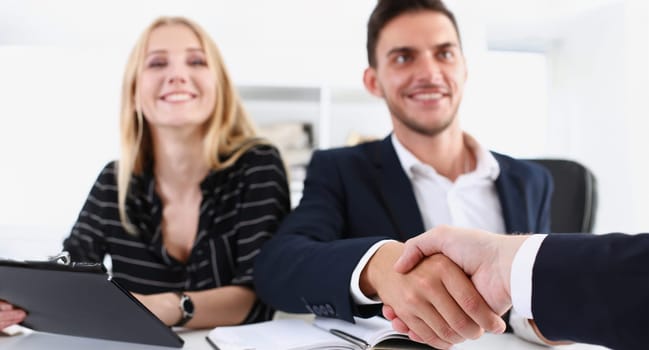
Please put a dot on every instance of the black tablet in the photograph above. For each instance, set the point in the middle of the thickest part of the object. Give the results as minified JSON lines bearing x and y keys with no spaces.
{"x":80,"y":300}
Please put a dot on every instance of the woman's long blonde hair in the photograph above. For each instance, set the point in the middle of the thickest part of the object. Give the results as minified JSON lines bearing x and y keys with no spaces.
{"x":228,"y":133}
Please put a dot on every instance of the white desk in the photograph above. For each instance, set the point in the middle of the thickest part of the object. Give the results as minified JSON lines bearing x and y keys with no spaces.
{"x":195,"y":340}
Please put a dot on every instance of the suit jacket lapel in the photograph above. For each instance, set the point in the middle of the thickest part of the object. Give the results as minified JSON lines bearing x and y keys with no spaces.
{"x":512,"y":198}
{"x":396,"y":191}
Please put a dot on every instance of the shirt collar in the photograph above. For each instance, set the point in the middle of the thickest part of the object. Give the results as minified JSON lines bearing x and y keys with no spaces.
{"x":407,"y":159}
{"x":486,"y":164}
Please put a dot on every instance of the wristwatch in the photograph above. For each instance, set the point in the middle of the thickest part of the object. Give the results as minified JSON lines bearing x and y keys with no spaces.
{"x":186,"y":307}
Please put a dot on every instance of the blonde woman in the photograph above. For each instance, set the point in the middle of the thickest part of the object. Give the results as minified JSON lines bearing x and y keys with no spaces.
{"x":195,"y":194}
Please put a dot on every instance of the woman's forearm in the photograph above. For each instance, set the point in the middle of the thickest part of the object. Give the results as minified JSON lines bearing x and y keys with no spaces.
{"x":222,"y":306}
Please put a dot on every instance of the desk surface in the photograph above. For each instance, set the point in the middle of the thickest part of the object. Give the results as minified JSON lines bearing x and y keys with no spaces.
{"x":195,"y":340}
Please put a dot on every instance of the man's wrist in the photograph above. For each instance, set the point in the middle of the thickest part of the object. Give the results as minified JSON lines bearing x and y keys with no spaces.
{"x":355,"y":287}
{"x":509,"y":249}
{"x":379,"y":264}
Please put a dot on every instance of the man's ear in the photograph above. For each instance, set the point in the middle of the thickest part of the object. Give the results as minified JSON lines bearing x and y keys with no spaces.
{"x":466,"y":69}
{"x":371,"y":83}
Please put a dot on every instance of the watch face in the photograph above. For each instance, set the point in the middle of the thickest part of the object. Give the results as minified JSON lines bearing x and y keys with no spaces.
{"x":188,"y":306}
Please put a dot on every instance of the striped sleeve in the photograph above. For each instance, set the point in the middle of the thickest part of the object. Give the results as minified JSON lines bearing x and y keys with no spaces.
{"x":87,"y":240}
{"x":265,"y":202}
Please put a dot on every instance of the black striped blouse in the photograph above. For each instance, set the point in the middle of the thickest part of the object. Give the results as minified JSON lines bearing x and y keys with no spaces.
{"x":241,"y":208}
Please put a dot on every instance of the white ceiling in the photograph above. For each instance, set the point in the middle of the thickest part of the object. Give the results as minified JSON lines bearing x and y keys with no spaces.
{"x":531,"y":23}
{"x":535,"y":24}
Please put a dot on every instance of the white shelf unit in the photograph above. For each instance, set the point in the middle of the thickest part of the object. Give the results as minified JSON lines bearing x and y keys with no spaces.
{"x":333,"y":113}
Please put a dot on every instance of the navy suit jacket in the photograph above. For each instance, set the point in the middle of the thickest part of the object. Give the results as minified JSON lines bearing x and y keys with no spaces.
{"x":354,"y":197}
{"x":593,"y":289}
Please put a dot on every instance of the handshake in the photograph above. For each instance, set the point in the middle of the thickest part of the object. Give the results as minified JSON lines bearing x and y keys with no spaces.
{"x":447,"y":285}
{"x":451,"y":284}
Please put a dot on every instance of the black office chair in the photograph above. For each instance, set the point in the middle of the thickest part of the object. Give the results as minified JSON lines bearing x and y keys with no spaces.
{"x":574,"y":201}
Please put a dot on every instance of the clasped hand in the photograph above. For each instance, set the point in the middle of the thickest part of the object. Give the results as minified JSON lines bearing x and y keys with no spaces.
{"x":431,"y":298}
{"x":443,"y":307}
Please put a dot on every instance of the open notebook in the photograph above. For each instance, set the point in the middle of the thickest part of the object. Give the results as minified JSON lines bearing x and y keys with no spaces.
{"x":324,"y":333}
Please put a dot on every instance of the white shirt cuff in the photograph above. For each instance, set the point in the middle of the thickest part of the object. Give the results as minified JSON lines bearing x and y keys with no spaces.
{"x":523,"y":329}
{"x":355,"y":284}
{"x":521,"y":275}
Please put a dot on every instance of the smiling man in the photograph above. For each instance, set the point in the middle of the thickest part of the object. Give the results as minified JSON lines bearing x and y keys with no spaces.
{"x":334,"y":254}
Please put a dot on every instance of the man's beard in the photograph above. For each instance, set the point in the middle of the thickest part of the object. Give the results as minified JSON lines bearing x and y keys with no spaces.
{"x":414,"y":125}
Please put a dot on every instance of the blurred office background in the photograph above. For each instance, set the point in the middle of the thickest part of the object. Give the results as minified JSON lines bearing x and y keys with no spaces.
{"x":547,"y":78}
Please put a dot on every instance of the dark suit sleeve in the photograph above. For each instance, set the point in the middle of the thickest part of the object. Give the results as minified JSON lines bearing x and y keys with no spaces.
{"x":593,"y":289}
{"x":307,"y":265}
{"x":547,"y":188}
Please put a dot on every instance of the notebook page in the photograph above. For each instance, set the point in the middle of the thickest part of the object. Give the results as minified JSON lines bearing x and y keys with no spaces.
{"x":294,"y":334}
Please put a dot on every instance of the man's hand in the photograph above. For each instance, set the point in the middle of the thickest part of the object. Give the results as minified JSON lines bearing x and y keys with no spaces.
{"x":486,"y":257}
{"x":435,"y":299}
{"x":10,"y":315}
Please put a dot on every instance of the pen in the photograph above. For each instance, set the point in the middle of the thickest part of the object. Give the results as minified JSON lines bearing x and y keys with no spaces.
{"x":350,"y":338}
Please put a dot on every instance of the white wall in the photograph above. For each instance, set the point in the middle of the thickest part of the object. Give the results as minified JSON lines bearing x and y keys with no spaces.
{"x":59,"y":115}
{"x":636,"y":109}
{"x":599,"y":109}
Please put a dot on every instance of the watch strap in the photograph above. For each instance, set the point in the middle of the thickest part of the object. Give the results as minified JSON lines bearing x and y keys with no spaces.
{"x":186,"y":308}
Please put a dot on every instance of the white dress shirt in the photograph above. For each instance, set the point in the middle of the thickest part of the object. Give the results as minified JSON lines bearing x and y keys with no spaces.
{"x":471,"y":201}
{"x":521,"y":275}
{"x":521,"y":289}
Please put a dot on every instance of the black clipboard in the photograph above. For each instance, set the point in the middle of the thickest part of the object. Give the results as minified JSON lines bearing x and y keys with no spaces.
{"x":80,"y":300}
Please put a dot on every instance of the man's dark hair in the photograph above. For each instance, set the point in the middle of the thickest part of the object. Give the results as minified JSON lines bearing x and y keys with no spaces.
{"x":387,"y":10}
